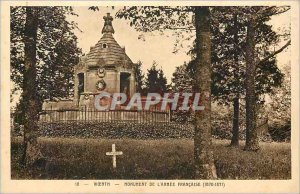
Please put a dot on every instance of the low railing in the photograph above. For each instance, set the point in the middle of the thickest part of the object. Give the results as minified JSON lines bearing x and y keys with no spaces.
{"x":88,"y":114}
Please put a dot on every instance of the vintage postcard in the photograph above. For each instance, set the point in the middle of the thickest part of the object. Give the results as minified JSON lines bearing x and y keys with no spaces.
{"x":149,"y":97}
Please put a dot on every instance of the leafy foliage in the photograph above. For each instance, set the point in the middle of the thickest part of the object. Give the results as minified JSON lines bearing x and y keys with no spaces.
{"x":228,"y":76}
{"x":279,"y":110}
{"x":57,"y":50}
{"x":151,"y":18}
{"x":156,"y":82}
{"x":139,"y":78}
{"x":228,"y":53}
{"x":56,"y":55}
{"x":182,"y":81}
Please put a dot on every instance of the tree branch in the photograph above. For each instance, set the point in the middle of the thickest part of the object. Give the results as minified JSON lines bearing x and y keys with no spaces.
{"x":269,"y":12}
{"x":178,"y":28}
{"x":274,"y":53}
{"x":169,"y":8}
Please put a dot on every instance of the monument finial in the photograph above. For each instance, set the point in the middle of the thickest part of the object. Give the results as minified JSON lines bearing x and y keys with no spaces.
{"x":108,"y":28}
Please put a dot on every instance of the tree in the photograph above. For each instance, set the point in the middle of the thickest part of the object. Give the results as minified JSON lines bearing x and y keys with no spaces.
{"x":229,"y":42}
{"x":139,"y":77}
{"x":56,"y":53}
{"x":204,"y":163}
{"x":254,"y":17}
{"x":281,"y":100}
{"x":43,"y":52}
{"x":236,"y":74}
{"x":179,"y":18}
{"x":156,"y":82}
{"x":162,"y":81}
{"x":32,"y":152}
{"x":227,"y":74}
{"x":279,"y":109}
{"x":228,"y":36}
{"x":251,"y":131}
{"x":182,"y":81}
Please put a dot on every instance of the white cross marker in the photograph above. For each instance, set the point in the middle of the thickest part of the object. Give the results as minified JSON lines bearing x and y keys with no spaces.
{"x":114,"y":154}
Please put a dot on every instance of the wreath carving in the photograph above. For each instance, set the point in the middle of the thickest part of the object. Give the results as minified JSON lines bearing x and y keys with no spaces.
{"x":101,"y":85}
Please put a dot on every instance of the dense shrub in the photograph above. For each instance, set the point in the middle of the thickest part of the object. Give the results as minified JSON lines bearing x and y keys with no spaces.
{"x":116,"y":130}
{"x":280,"y":132}
{"x":121,"y":129}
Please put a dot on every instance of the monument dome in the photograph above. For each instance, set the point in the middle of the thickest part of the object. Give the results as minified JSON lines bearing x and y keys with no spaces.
{"x":106,"y":67}
{"x":107,"y":51}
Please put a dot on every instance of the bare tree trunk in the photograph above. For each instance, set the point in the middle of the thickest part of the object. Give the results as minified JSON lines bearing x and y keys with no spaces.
{"x":31,"y":148}
{"x":252,"y":143}
{"x":236,"y":103}
{"x":204,"y":163}
{"x":235,"y":122}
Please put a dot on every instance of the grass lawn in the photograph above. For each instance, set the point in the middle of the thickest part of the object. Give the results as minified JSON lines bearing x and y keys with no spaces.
{"x":73,"y":158}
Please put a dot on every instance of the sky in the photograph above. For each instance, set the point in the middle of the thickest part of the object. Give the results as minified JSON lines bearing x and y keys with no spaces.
{"x":156,"y":47}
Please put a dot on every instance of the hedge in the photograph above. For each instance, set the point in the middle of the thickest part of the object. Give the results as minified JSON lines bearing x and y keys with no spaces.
{"x":116,"y":130}
{"x":119,"y":129}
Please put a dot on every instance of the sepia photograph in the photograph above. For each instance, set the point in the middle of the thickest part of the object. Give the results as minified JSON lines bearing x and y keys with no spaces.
{"x":132,"y":93}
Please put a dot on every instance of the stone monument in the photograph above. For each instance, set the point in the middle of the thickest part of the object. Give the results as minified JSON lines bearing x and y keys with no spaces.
{"x":105,"y":68}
